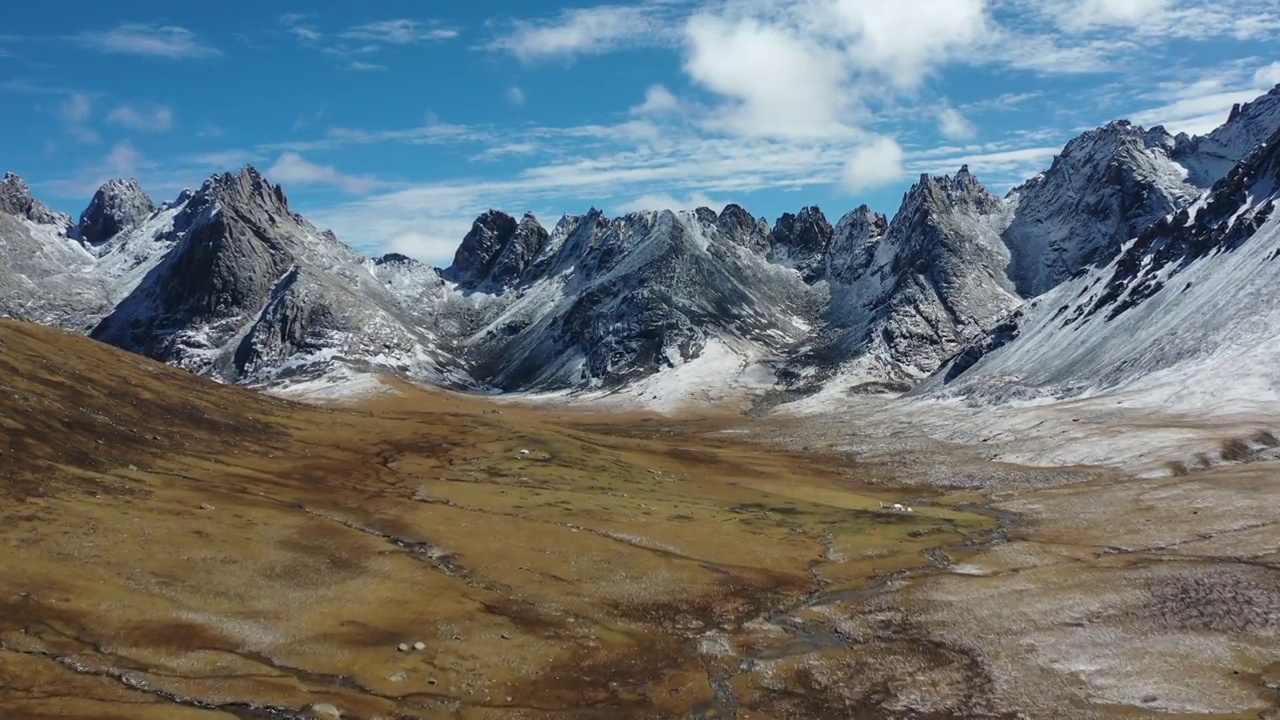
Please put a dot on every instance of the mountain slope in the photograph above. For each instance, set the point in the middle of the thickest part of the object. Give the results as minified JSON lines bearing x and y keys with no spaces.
{"x":1187,"y":311}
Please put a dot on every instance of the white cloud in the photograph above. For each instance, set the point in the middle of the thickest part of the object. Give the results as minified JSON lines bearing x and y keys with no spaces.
{"x":665,"y":201}
{"x":583,"y":31}
{"x":1267,"y":75}
{"x":436,"y":249}
{"x":75,"y":110}
{"x":124,"y":160}
{"x":955,"y":126}
{"x":400,"y":31}
{"x":77,"y":107}
{"x":1197,"y":103}
{"x":875,"y":163}
{"x":658,"y":100}
{"x":293,"y":168}
{"x":515,"y":95}
{"x":1078,"y":15}
{"x":297,"y":25}
{"x":167,"y":41}
{"x":903,"y":40}
{"x":362,"y":66}
{"x":147,"y":118}
{"x":776,"y":82}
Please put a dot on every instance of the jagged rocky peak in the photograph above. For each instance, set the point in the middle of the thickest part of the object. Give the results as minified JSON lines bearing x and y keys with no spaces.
{"x":16,"y":200}
{"x":802,"y":241}
{"x":1210,"y":157}
{"x":117,"y":206}
{"x":1106,"y":186}
{"x":248,"y":186}
{"x":962,"y":191}
{"x":854,"y":242}
{"x":497,"y":251}
{"x":735,"y":223}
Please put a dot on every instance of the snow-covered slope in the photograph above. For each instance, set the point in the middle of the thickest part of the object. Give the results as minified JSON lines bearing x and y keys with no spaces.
{"x":1187,"y":313}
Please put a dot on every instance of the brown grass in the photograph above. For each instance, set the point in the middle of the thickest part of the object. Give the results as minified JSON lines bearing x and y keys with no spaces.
{"x":576,"y":579}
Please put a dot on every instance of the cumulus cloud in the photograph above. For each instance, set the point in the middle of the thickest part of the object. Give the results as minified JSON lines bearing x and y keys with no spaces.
{"x":877,"y":162}
{"x":774,"y":81}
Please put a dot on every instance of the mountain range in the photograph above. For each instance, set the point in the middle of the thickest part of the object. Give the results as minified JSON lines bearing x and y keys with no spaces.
{"x":1136,"y":253}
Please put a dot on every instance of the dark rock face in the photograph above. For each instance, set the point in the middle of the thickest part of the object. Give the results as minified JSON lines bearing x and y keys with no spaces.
{"x":497,"y":251}
{"x":802,"y":241}
{"x":854,"y":243}
{"x":117,"y":206}
{"x":1105,"y":187}
{"x":16,"y":200}
{"x":752,"y":233}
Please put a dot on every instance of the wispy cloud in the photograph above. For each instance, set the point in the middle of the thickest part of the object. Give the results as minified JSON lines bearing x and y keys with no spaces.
{"x":299,"y":25}
{"x":585,"y":31}
{"x":955,"y":126}
{"x":515,"y":95}
{"x":291,"y":167}
{"x":143,"y":118}
{"x":400,"y":31}
{"x":362,"y":66}
{"x":167,"y":41}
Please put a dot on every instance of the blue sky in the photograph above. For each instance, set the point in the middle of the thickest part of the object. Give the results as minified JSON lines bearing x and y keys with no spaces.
{"x":395,"y":123}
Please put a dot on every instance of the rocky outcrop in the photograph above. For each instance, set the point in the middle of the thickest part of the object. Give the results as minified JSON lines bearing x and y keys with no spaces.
{"x":16,"y":201}
{"x":117,"y":206}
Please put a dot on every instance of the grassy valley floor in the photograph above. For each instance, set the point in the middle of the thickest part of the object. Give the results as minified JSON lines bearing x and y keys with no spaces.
{"x":173,"y":548}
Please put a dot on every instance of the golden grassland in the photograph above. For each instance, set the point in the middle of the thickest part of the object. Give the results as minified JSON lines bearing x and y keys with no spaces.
{"x":172,"y":548}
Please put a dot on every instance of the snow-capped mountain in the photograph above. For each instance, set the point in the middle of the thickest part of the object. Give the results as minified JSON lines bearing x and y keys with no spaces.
{"x":912,"y":291}
{"x":1105,"y":187}
{"x":1187,"y":311}
{"x":229,"y":281}
{"x":600,"y":301}
{"x":252,"y":292}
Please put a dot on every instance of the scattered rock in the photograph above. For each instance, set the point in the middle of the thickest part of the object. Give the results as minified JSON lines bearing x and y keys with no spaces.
{"x":526,"y":453}
{"x":398,"y":677}
{"x":403,"y":647}
{"x":206,"y":507}
{"x":419,"y":646}
{"x":505,"y":636}
{"x":325,"y":711}
{"x":1149,"y":699}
